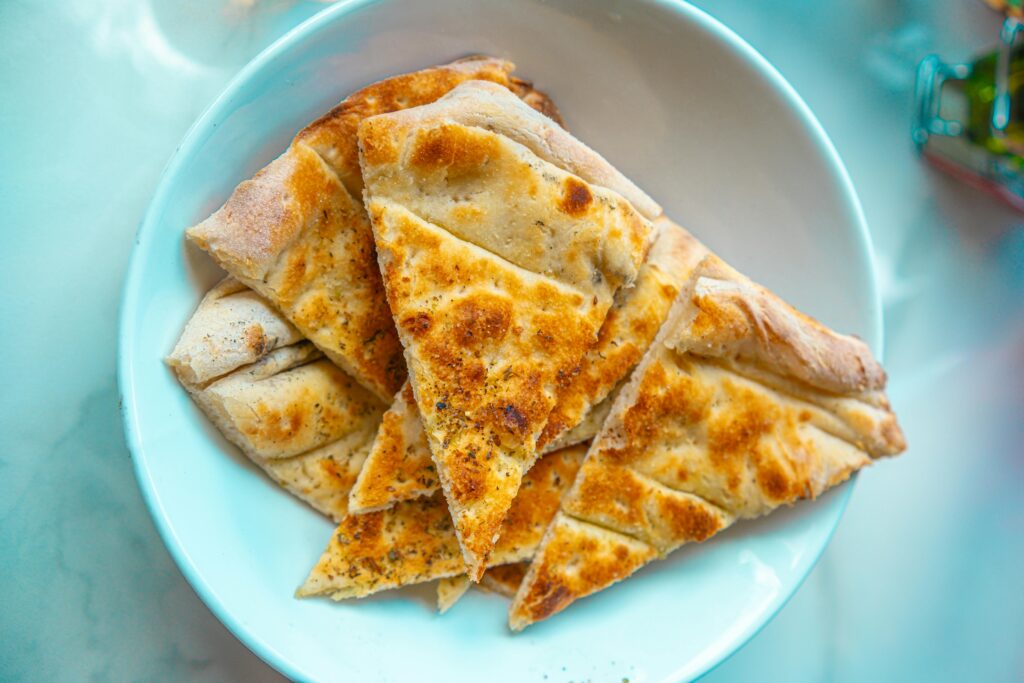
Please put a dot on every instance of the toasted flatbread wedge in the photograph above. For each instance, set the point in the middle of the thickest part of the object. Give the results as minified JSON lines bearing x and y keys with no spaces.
{"x":500,"y":268}
{"x":450,"y":590}
{"x":302,"y":420}
{"x":628,"y":330}
{"x":297,"y":416}
{"x":290,"y":402}
{"x":399,"y":466}
{"x":322,"y":477}
{"x":297,"y":234}
{"x":503,"y":580}
{"x":741,"y":405}
{"x":414,"y":541}
{"x":233,"y":326}
{"x":333,"y":136}
{"x":486,"y":105}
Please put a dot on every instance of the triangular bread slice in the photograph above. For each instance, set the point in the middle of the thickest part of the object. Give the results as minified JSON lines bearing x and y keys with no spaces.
{"x":628,"y":330}
{"x":323,"y":477}
{"x":741,"y":405}
{"x":333,"y":135}
{"x":399,"y":466}
{"x":297,"y":234}
{"x":414,"y":541}
{"x":500,"y":268}
{"x":232,"y":326}
{"x":503,"y":580}
{"x":450,"y":590}
{"x":302,"y":420}
{"x":298,"y":417}
{"x":291,"y":401}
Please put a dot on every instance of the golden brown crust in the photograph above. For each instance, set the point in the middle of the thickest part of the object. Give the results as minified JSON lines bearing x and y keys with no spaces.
{"x":622,"y":499}
{"x":287,"y":404}
{"x":628,"y":330}
{"x":488,"y":191}
{"x":410,"y":543}
{"x":556,"y":576}
{"x":695,"y":441}
{"x":499,"y":269}
{"x":295,"y":235}
{"x":333,"y":135}
{"x":536,"y":504}
{"x":471,"y":324}
{"x":491,"y":107}
{"x":414,"y":541}
{"x":504,"y":579}
{"x":399,"y":466}
{"x":322,"y":477}
{"x":731,"y":317}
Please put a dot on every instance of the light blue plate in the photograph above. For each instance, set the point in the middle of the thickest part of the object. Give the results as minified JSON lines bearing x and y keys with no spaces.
{"x":681,"y":105}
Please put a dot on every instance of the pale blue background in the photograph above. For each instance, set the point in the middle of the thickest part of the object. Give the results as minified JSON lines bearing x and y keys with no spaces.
{"x":925,"y":577}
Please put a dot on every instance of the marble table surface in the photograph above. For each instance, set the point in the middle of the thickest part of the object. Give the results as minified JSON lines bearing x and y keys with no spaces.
{"x":923,"y":578}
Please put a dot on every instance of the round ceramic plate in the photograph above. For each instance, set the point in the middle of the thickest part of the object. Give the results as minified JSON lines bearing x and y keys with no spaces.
{"x":680,"y":105}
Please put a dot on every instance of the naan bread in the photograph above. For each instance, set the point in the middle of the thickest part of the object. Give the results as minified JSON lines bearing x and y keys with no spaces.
{"x":741,"y":405}
{"x":297,"y":416}
{"x":628,"y":330}
{"x":233,"y":326}
{"x":333,"y":136}
{"x":503,"y":580}
{"x":450,"y":590}
{"x":399,"y":466}
{"x":487,"y":106}
{"x":297,"y":233}
{"x":322,"y":477}
{"x":415,"y":541}
{"x":500,"y":268}
{"x":289,"y":402}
